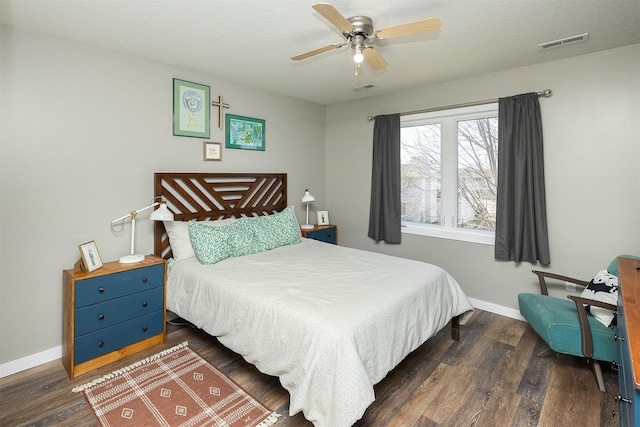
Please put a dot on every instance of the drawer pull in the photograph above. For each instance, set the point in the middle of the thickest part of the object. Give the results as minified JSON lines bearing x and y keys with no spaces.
{"x":101,"y":290}
{"x":619,"y":398}
{"x":101,"y":317}
{"x":100,"y":343}
{"x":144,"y":304}
{"x":145,"y":280}
{"x":618,"y":338}
{"x":144,"y":329}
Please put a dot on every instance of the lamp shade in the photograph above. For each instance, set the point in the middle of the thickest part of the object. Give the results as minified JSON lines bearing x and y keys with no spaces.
{"x":162,"y":213}
{"x":308,"y":198}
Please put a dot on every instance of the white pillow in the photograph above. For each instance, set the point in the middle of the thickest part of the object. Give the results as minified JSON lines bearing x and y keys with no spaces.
{"x":178,"y":232}
{"x":603,"y":287}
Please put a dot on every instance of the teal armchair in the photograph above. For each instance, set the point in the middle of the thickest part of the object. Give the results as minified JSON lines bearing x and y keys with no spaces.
{"x":567,"y":327}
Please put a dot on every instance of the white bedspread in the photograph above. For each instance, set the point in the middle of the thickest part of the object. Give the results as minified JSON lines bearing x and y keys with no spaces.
{"x":329,"y":321}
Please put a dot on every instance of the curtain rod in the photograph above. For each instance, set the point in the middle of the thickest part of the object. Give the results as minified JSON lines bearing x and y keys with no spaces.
{"x":546,"y":93}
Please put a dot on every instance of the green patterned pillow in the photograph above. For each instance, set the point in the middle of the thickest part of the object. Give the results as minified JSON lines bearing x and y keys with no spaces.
{"x":244,"y":237}
{"x":277,"y":230}
{"x":243,"y":240}
{"x":210,"y":244}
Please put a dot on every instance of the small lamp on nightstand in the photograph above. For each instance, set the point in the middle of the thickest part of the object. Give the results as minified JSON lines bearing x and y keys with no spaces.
{"x":161,"y":214}
{"x":307,"y":198}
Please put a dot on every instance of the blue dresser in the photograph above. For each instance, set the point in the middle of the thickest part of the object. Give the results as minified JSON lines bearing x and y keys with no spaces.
{"x":112,"y":313}
{"x":629,"y":341}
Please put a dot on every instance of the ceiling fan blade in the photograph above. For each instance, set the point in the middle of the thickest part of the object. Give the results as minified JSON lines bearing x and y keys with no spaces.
{"x":409,"y":28}
{"x":318,"y":51}
{"x":374,"y":59}
{"x":332,"y":15}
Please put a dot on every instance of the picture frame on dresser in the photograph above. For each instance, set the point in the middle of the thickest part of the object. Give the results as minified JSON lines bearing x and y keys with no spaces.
{"x":91,"y":260}
{"x":323,"y":217}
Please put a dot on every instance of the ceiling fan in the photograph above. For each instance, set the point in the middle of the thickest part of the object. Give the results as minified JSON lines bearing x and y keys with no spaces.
{"x":360,"y":35}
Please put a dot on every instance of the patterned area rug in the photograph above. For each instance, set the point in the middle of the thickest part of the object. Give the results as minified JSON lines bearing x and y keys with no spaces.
{"x":176,"y":387}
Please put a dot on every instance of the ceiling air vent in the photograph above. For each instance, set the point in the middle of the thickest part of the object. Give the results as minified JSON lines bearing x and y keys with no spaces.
{"x":563,"y":42}
{"x":363,"y":87}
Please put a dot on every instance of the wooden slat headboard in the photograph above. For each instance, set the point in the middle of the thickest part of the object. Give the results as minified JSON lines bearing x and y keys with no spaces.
{"x":204,"y":196}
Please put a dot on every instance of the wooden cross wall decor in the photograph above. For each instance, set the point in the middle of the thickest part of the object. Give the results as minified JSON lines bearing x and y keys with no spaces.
{"x":221,"y":106}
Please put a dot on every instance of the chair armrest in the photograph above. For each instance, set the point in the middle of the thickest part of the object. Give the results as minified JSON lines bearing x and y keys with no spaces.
{"x":542,"y":275}
{"x":590,"y":301}
{"x":585,"y":329}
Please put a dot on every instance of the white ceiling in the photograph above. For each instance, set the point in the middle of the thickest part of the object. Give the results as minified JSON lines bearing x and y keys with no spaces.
{"x":251,"y":41}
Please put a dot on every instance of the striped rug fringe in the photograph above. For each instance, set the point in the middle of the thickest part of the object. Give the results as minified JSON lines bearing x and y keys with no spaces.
{"x":270,"y":420}
{"x":130,"y":367}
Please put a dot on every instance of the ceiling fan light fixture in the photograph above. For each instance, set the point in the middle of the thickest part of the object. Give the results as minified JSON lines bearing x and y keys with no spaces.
{"x":358,"y":57}
{"x":359,"y":29}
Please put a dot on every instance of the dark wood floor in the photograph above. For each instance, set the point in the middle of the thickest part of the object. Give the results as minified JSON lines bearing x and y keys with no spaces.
{"x":491,"y":377}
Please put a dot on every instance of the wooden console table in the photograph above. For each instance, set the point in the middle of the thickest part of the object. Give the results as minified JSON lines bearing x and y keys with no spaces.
{"x":629,"y":341}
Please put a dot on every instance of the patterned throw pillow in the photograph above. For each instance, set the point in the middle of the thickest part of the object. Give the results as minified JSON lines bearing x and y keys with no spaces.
{"x":277,"y":230}
{"x":178,"y":232}
{"x":210,"y":244}
{"x":242,"y":238}
{"x":603,"y":287}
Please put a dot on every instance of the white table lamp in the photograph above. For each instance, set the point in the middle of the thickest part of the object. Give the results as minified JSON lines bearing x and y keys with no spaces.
{"x":307,"y":198}
{"x":161,"y":214}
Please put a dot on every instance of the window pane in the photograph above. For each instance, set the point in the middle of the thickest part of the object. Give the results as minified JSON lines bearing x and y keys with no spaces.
{"x":477,"y":173}
{"x":421,"y":173}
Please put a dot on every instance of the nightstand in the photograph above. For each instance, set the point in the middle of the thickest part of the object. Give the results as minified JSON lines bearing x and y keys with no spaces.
{"x":324,"y":233}
{"x":111,"y":313}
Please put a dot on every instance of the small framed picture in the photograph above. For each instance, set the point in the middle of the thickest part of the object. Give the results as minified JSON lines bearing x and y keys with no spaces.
{"x":323,"y":217}
{"x":90,"y":256}
{"x":212,"y":150}
{"x":245,"y":133}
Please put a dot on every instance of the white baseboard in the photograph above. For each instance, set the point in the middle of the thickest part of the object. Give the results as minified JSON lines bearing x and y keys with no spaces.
{"x":497,"y":309}
{"x":33,"y":360}
{"x":30,"y":361}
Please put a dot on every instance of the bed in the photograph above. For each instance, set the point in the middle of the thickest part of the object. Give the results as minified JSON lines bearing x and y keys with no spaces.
{"x":329,"y":321}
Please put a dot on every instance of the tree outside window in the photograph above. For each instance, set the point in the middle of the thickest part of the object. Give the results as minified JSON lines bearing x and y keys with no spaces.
{"x":449,"y":166}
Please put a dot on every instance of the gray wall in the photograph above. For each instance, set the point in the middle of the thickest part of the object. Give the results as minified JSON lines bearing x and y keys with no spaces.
{"x":592,"y":167}
{"x":83,"y":131}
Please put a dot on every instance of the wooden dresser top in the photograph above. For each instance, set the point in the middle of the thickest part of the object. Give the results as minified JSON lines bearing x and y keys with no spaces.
{"x":629,"y":275}
{"x":113,"y":267}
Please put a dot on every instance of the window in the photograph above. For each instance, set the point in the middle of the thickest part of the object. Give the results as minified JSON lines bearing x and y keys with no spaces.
{"x":449,"y":165}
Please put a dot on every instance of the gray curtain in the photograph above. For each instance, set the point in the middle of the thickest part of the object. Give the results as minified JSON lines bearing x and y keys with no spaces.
{"x":384,"y":213}
{"x":521,"y":219}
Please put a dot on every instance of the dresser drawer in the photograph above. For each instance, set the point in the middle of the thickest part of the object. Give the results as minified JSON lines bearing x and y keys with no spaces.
{"x":93,"y":317}
{"x":106,"y":340}
{"x":104,"y":288}
{"x":327,"y":235}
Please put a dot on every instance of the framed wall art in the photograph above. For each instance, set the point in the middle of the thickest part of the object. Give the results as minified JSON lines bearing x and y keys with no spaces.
{"x":191,"y":106}
{"x":212,"y":150}
{"x":90,"y":257}
{"x":244,"y":132}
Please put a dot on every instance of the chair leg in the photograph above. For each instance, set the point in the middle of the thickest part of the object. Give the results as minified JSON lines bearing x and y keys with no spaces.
{"x":545,"y":353}
{"x":598,"y":371}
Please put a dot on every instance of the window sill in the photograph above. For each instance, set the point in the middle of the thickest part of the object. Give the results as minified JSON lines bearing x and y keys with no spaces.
{"x":471,"y":236}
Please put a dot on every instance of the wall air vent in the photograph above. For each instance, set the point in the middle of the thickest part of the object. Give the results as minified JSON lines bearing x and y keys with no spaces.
{"x":363,"y":87}
{"x":563,"y":42}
